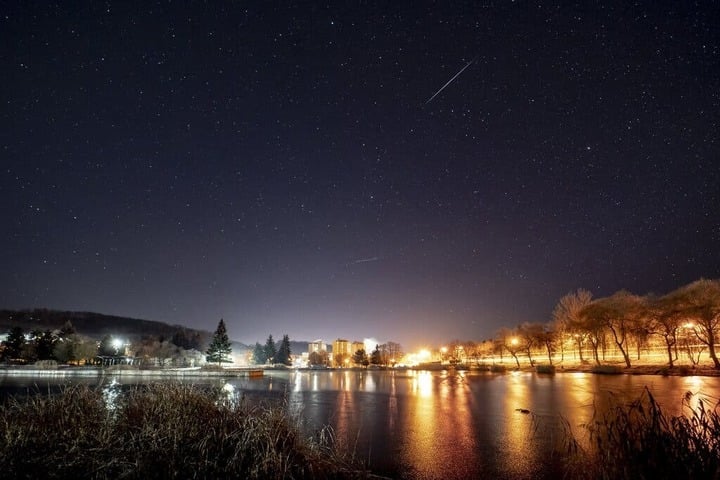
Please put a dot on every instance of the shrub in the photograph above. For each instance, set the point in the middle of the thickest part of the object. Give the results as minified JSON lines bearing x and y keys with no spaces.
{"x":496,"y":368}
{"x":607,"y":369}
{"x":549,"y":369}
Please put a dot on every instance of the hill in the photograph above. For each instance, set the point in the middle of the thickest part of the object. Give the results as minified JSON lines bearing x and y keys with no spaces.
{"x":95,"y":325}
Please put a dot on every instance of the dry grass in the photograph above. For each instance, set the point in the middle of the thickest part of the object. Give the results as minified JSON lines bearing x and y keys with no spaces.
{"x":640,"y":441}
{"x":161,"y":431}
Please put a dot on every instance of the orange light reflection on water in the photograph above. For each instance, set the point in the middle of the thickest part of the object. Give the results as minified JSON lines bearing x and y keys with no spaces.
{"x":440,"y":425}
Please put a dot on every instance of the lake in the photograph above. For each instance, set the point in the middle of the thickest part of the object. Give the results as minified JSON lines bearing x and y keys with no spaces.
{"x":448,"y":424}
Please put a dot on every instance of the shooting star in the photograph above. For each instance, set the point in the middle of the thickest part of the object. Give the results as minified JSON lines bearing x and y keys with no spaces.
{"x":451,"y":80}
{"x":365,"y":260}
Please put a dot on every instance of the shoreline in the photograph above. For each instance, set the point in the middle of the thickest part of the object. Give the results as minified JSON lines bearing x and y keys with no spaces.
{"x":248,"y":372}
{"x":65,"y":371}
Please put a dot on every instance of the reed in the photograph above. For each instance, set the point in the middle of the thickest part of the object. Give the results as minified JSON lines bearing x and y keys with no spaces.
{"x":639,"y":440}
{"x":162,"y":431}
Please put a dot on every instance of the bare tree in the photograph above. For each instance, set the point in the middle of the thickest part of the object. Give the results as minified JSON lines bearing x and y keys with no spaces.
{"x":513,"y":344}
{"x":548,"y":338}
{"x":566,"y":316}
{"x":699,"y":302}
{"x":530,"y":335}
{"x":663,"y":320}
{"x":620,"y":313}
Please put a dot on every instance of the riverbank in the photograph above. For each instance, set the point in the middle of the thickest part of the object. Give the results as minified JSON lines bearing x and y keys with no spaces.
{"x":162,"y":431}
{"x":130,"y":371}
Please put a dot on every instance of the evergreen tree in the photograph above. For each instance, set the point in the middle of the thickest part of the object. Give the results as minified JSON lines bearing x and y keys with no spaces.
{"x":283,"y":354}
{"x":376,"y":356}
{"x":14,"y":343}
{"x":44,"y":345}
{"x":220,"y":347}
{"x":259,"y":354}
{"x":270,"y":350}
{"x":360,"y":358}
{"x":67,"y":330}
{"x":106,"y":348}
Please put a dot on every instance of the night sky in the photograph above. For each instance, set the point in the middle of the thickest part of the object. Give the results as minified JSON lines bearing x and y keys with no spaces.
{"x":288,"y":169}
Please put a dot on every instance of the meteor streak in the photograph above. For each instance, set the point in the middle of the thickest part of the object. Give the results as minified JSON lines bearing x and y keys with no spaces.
{"x":450,"y":81}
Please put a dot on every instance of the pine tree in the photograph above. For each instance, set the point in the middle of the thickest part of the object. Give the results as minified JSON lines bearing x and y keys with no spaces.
{"x":259,"y":354}
{"x":283,"y":354}
{"x":14,"y":343}
{"x":270,"y":350}
{"x":220,"y":347}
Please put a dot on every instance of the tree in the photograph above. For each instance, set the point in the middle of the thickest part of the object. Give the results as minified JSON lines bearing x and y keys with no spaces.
{"x":106,"y":347}
{"x":259,"y":354}
{"x":44,"y":345}
{"x":664,"y":321}
{"x":376,"y":356}
{"x":699,"y":302}
{"x":283,"y":354}
{"x":270,"y":349}
{"x":513,"y":345}
{"x":567,"y":317}
{"x":14,"y":343}
{"x":318,"y":358}
{"x":220,"y":346}
{"x":67,"y":330}
{"x":360,"y":358}
{"x":619,"y":313}
{"x":531,"y":335}
{"x":187,"y":340}
{"x":394,"y":352}
{"x":548,"y":338}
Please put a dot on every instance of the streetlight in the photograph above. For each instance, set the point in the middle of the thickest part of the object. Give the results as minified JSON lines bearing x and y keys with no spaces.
{"x":117,"y":343}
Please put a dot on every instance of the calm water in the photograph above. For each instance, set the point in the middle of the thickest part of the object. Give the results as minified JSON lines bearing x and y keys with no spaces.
{"x":432,"y":425}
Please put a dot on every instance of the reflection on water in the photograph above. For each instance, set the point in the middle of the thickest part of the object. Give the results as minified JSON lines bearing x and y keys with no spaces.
{"x":111,"y":396}
{"x":423,"y":425}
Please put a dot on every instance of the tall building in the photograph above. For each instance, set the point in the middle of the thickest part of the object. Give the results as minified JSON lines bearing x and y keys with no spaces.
{"x":317,"y":346}
{"x":341,"y":352}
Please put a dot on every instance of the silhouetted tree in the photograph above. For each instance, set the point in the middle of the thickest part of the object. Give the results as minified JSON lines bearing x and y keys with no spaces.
{"x":283,"y":353}
{"x":376,"y":357}
{"x":259,"y":354}
{"x":106,"y":347}
{"x":360,"y":358}
{"x":67,"y":329}
{"x":220,"y":346}
{"x":270,"y":349}
{"x":14,"y":344}
{"x":44,"y":345}
{"x":186,"y":339}
{"x":514,"y":344}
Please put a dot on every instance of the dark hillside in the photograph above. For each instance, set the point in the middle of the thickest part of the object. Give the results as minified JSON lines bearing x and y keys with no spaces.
{"x":94,"y":325}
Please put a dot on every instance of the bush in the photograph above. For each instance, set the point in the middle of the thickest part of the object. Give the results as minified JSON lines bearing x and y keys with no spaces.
{"x":549,"y":369}
{"x":607,"y":369}
{"x":496,"y":368}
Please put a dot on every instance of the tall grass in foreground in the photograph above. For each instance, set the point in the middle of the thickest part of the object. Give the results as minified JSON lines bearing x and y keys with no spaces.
{"x":640,"y":441}
{"x":161,"y":431}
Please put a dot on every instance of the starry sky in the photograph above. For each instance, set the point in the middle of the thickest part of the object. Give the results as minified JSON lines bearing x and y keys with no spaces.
{"x":297,"y":167}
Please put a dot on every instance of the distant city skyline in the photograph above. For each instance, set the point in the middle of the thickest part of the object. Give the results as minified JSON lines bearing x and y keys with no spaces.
{"x":419,"y":172}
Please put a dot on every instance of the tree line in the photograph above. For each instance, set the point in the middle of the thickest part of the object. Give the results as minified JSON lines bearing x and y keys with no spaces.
{"x":66,"y":345}
{"x":685,"y":321}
